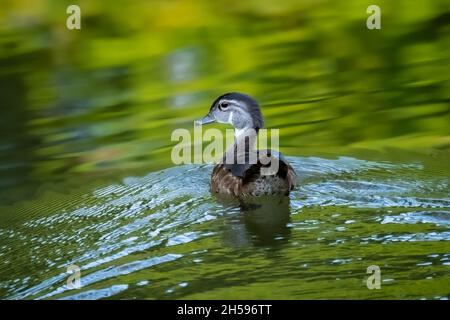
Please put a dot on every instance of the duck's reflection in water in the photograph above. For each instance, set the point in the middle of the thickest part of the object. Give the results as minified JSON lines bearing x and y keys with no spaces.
{"x":260,"y":221}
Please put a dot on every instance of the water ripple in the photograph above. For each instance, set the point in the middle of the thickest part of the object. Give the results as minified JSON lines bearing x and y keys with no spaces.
{"x":149,"y":216}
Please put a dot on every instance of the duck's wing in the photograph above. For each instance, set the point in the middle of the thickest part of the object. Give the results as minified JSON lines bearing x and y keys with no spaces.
{"x":265,"y":158}
{"x":224,"y":181}
{"x":285,"y":171}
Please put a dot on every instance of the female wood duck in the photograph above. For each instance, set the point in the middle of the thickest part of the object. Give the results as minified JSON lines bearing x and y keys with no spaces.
{"x":237,"y":174}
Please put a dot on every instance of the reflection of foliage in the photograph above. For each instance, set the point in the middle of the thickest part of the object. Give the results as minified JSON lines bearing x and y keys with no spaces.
{"x":110,"y":94}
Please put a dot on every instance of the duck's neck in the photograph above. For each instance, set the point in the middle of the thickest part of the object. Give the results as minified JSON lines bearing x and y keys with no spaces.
{"x":245,"y":138}
{"x":244,"y":143}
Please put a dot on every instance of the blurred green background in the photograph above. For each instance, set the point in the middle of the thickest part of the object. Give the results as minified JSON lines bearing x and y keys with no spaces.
{"x":86,"y":122}
{"x":102,"y":101}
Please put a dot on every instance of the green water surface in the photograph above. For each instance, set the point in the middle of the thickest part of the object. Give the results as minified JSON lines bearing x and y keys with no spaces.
{"x":86,"y":177}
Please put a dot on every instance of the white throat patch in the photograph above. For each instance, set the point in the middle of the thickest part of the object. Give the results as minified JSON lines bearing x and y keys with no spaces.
{"x":230,"y":118}
{"x":243,"y":132}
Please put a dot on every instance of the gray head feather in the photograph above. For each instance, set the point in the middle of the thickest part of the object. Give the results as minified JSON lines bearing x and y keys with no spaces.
{"x":247,"y":112}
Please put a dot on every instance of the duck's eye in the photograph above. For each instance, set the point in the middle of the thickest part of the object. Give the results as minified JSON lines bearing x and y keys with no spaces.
{"x":223,"y":106}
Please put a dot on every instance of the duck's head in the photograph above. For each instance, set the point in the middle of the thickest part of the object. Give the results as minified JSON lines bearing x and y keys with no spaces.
{"x":237,"y":109}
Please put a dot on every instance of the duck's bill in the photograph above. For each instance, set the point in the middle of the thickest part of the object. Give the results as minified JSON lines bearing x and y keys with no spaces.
{"x":205,"y":120}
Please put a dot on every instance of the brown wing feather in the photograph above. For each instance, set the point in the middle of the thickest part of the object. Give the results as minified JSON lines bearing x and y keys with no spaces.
{"x":291,"y":177}
{"x":223,"y":181}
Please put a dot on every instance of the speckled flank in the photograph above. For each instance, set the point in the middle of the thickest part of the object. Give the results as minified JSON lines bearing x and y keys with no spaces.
{"x":254,"y":184}
{"x":266,"y":185}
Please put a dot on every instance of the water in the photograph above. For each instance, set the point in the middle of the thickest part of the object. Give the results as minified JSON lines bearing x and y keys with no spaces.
{"x":163,"y":235}
{"x":86,"y":177}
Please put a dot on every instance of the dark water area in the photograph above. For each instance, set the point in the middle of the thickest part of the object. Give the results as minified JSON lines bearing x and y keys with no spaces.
{"x":86,"y":176}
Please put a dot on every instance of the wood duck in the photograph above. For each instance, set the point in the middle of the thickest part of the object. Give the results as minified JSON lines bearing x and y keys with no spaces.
{"x":237,"y":174}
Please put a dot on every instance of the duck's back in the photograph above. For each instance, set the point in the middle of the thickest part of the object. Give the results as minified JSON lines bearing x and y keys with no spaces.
{"x":246,"y":179}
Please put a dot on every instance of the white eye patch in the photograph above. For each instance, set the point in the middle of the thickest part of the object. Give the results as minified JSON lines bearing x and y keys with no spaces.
{"x":230,"y":118}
